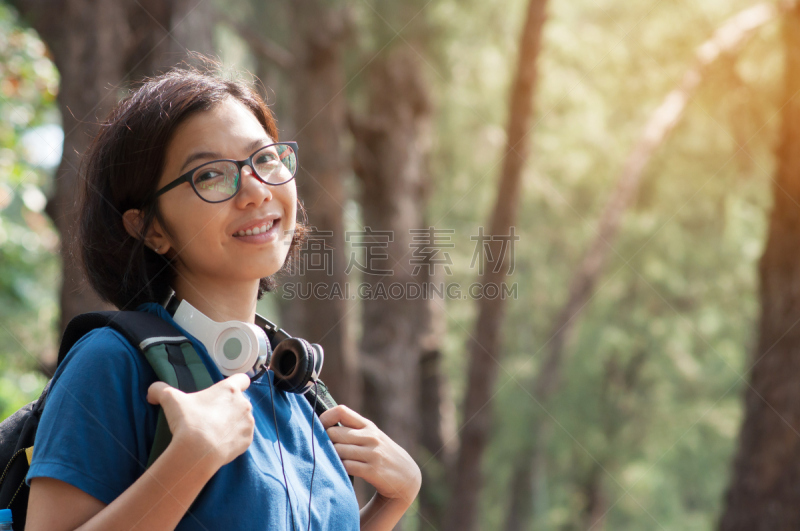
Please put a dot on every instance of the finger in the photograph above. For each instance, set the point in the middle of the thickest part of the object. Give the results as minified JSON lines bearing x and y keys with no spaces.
{"x":158,"y":391}
{"x":357,"y":468}
{"x":359,"y":437}
{"x":342,"y":414}
{"x":341,"y":434}
{"x":352,"y":452}
{"x":239,"y":382}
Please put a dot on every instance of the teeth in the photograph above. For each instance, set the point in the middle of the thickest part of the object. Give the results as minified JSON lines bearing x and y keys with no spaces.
{"x":256,"y":230}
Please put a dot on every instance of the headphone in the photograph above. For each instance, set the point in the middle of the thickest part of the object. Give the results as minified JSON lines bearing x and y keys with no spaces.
{"x":238,"y":347}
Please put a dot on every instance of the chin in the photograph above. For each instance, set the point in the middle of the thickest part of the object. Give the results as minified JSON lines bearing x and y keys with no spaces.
{"x":269,"y":271}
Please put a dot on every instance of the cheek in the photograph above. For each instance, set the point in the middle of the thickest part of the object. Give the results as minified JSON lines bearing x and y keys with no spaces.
{"x":188,"y":224}
{"x":291,"y":209}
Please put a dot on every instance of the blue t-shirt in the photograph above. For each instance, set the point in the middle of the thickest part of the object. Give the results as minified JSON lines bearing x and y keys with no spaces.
{"x":97,"y":430}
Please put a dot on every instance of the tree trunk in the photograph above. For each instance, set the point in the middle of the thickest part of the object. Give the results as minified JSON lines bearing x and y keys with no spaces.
{"x":318,"y":87}
{"x":527,"y":492}
{"x":391,"y":148}
{"x":89,"y":63}
{"x":594,"y":514}
{"x":390,"y":158}
{"x":116,"y":40}
{"x":437,"y":439}
{"x":763,"y":494}
{"x":484,"y":345}
{"x":521,"y":493}
{"x":191,"y":27}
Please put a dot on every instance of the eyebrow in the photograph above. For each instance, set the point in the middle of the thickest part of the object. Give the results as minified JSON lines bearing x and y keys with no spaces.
{"x":252,"y":146}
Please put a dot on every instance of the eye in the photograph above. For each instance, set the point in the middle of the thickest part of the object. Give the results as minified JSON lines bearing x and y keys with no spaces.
{"x":209,"y":178}
{"x":206,"y":175}
{"x":266,"y":158}
{"x":214,"y":173}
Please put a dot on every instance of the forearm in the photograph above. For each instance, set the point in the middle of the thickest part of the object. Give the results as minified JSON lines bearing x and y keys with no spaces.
{"x":381,"y":513}
{"x":161,"y":496}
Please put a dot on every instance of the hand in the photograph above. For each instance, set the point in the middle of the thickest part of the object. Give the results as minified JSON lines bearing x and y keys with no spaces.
{"x":370,"y":454}
{"x":216,"y":424}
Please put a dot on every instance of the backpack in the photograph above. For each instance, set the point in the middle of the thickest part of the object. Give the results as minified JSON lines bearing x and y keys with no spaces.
{"x":174,"y":361}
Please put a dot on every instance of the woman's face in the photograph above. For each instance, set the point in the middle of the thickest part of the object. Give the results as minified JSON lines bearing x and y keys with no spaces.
{"x":208,"y":241}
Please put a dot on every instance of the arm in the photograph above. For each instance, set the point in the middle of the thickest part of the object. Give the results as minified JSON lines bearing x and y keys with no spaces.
{"x":157,"y":500}
{"x":368,"y":453}
{"x":381,"y":513}
{"x":211,"y":428}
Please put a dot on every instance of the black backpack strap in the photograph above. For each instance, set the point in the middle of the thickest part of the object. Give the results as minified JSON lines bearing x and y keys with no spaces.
{"x":136,"y":327}
{"x":79,"y":326}
{"x":172,"y":357}
{"x":168,"y":352}
{"x":320,"y":398}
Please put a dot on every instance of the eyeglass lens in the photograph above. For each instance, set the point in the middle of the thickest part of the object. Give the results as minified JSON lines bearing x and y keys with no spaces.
{"x":217,"y":181}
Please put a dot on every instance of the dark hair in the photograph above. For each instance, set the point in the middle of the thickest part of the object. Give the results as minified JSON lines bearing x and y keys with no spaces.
{"x":122,"y":168}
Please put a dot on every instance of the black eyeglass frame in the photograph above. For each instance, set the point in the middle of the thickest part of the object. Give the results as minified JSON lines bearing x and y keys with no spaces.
{"x":187,"y":177}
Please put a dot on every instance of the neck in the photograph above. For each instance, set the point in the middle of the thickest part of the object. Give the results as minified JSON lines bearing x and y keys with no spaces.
{"x":220,"y":302}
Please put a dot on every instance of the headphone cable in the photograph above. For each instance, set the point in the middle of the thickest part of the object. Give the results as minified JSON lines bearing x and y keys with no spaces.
{"x":280,"y":451}
{"x":313,"y":455}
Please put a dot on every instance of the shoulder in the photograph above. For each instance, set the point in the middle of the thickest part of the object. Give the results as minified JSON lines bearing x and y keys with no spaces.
{"x":104,"y":359}
{"x":101,"y":346}
{"x":105,"y":338}
{"x":97,"y":428}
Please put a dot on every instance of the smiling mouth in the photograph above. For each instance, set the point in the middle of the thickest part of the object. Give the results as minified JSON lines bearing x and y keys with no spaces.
{"x":255,"y":231}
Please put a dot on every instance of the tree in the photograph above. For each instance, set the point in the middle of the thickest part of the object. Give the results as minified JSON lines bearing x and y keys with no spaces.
{"x":317,"y":81}
{"x":766,"y":472}
{"x":118,"y":42}
{"x":391,"y":148}
{"x":485,"y":342}
{"x":726,"y":41}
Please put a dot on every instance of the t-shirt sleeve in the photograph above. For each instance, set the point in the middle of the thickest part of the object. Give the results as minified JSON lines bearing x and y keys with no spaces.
{"x":97,"y":427}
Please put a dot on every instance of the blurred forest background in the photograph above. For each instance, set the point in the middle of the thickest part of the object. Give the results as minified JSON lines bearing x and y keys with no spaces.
{"x":645,"y":154}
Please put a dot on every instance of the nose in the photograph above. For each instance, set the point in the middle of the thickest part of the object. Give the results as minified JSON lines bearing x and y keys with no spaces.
{"x":253,"y":190}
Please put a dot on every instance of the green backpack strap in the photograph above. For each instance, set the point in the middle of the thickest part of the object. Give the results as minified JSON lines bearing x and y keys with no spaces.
{"x":173,"y":358}
{"x":176,"y":363}
{"x":168,"y":351}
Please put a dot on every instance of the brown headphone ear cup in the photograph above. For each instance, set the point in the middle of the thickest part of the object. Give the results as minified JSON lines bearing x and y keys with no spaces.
{"x":292,"y":363}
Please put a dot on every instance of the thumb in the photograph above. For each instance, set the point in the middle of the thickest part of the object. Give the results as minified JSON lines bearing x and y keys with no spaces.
{"x":158,"y":391}
{"x":239,"y":381}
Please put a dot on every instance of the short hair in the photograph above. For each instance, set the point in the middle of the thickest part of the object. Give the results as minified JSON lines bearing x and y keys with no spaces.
{"x":122,"y":168}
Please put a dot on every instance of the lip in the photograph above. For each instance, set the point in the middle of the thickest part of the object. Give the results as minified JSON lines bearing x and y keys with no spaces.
{"x":250,"y":225}
{"x":264,"y":237}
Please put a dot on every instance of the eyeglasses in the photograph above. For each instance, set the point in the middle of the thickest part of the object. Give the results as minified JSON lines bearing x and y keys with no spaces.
{"x":219,"y":180}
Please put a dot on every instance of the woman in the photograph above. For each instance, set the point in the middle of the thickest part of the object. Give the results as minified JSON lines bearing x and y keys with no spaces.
{"x":151,"y":224}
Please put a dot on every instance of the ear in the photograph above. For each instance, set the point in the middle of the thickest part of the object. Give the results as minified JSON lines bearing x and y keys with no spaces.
{"x":156,"y":238}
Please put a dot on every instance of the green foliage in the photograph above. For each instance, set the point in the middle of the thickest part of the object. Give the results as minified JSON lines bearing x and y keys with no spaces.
{"x":651,"y":389}
{"x":651,"y":393}
{"x":29,"y":267}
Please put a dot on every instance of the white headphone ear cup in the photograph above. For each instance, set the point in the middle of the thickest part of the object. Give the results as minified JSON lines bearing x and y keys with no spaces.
{"x":234,"y":346}
{"x":263,"y":350}
{"x":247,"y":356}
{"x":235,"y":350}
